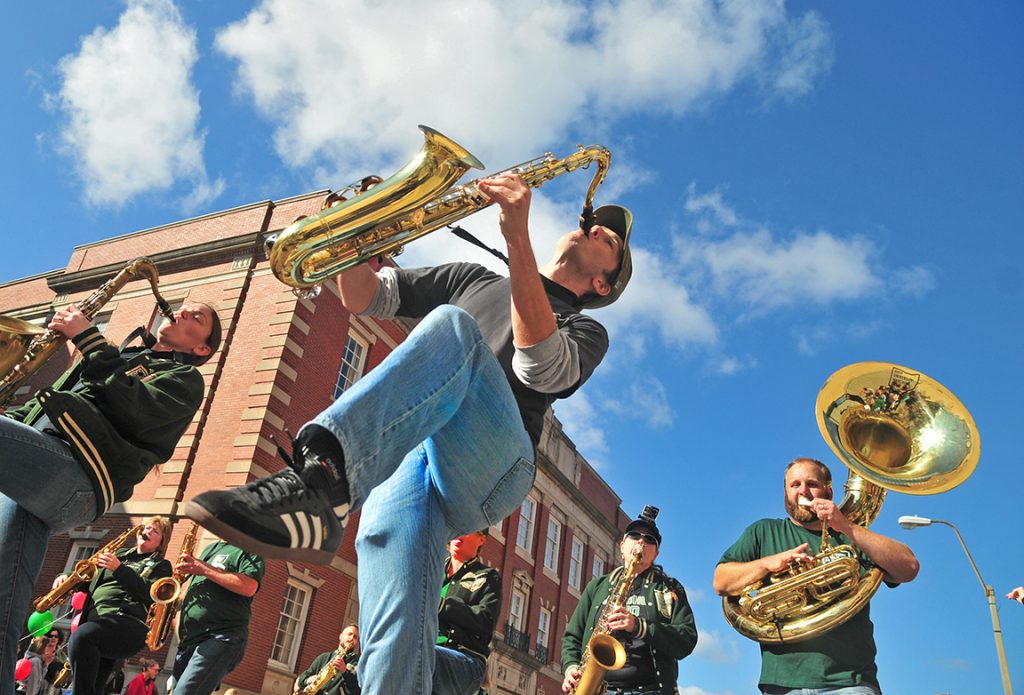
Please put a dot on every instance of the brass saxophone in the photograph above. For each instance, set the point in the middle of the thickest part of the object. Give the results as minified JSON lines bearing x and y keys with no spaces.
{"x":84,"y":571}
{"x":415,"y":201}
{"x":604,"y":653}
{"x":167,"y":596}
{"x":23,"y":357}
{"x":63,"y":677}
{"x":327,"y":673}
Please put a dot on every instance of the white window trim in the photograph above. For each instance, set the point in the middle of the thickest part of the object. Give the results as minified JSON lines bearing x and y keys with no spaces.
{"x":514,"y":620}
{"x":576,"y":562}
{"x":357,"y":369}
{"x":546,"y":643}
{"x":530,"y":521}
{"x":289,"y":666}
{"x":552,"y":546}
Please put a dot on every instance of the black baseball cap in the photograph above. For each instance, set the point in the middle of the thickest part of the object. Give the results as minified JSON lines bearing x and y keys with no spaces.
{"x":619,"y":220}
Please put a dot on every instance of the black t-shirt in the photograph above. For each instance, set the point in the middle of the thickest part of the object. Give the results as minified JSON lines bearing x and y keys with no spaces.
{"x":486,"y":296}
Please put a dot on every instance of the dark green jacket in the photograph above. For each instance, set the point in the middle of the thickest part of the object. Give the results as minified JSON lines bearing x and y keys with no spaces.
{"x":345,"y":683}
{"x":125,"y":414}
{"x":667,"y":624}
{"x":469,"y":610}
{"x":126,"y":589}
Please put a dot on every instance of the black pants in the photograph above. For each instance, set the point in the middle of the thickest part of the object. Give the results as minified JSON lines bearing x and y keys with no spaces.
{"x":97,"y":645}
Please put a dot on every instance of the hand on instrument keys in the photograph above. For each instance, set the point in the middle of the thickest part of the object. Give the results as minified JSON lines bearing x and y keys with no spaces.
{"x":69,"y":321}
{"x":620,"y":619}
{"x":572,"y":677}
{"x":780,"y":561}
{"x":188,"y":564}
{"x":512,"y":195}
{"x":108,"y":561}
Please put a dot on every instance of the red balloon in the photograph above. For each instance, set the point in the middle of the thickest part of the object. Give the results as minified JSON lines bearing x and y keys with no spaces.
{"x":75,"y":621}
{"x":78,"y":600}
{"x":22,"y":669}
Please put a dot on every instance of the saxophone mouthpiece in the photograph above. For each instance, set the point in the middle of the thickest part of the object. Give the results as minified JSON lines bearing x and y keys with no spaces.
{"x":587,"y":219}
{"x":165,"y":309}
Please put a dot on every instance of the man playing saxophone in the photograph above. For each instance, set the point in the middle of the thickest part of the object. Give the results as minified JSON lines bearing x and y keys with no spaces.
{"x":439,"y":439}
{"x":332,"y":673}
{"x":82,"y":444}
{"x":654,"y":624}
{"x":213,"y":623}
{"x":843,"y":659}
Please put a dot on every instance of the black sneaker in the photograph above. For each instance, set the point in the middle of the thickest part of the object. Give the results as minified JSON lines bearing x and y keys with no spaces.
{"x":278,"y":517}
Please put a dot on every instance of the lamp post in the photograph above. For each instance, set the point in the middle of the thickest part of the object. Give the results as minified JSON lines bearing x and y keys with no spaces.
{"x":913,"y":522}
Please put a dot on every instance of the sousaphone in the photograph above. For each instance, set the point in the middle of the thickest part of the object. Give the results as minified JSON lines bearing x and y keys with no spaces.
{"x":895,"y":429}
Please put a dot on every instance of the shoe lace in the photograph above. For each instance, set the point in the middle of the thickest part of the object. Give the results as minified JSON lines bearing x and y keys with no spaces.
{"x":276,"y":490}
{"x":293,"y":463}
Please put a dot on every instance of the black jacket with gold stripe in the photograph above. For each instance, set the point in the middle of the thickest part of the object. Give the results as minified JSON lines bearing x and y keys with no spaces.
{"x":469,"y":610}
{"x":122,"y":412}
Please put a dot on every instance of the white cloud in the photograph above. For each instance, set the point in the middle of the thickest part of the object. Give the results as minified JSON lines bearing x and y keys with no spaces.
{"x":711,"y":645}
{"x":132,"y":111}
{"x":645,"y":399}
{"x":768,"y":273}
{"x":343,"y":80}
{"x":727,"y":366}
{"x":580,"y":421}
{"x":694,"y":690}
{"x":806,"y":54}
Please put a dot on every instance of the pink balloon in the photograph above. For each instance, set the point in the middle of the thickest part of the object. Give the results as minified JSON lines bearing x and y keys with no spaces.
{"x":75,"y":621}
{"x":22,"y":669}
{"x":78,"y":600}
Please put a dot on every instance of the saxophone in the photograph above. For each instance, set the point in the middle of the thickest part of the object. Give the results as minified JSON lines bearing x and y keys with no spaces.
{"x":63,"y":678}
{"x":415,"y":201}
{"x":21,"y":360}
{"x":605,"y":653}
{"x":167,"y":596}
{"x":84,"y":571}
{"x":327,"y":673}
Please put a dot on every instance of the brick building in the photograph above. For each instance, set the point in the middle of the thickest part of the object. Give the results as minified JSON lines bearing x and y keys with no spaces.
{"x":284,"y":359}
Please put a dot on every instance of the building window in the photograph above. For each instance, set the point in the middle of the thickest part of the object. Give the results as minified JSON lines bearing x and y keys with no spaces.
{"x":543,"y":628}
{"x":553,"y":545}
{"x":80,"y":550}
{"x":352,"y":362}
{"x":575,"y":563}
{"x":527,"y":512}
{"x":516,"y":609}
{"x":598,"y":565}
{"x":290,"y":624}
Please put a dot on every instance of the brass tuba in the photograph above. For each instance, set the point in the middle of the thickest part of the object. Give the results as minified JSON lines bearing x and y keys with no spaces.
{"x":604,"y":653}
{"x":25,"y":347}
{"x":84,"y":571}
{"x":895,"y":429}
{"x":166,"y":593}
{"x":413,"y":202}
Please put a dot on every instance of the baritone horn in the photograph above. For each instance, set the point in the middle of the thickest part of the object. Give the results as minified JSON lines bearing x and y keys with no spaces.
{"x":418,"y":199}
{"x":895,"y":429}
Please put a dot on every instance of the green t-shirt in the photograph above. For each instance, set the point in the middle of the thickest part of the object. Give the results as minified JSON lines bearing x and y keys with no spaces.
{"x":842,"y":656}
{"x":126,"y":589}
{"x":209,"y":608}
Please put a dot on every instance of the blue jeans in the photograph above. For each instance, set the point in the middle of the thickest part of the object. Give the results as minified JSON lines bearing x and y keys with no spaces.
{"x":200,"y":666}
{"x":456,"y":673}
{"x":434,"y":448}
{"x":43,"y":491}
{"x":864,"y":689}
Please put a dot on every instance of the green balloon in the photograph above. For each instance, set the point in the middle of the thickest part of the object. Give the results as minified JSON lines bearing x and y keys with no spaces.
{"x":40,"y":623}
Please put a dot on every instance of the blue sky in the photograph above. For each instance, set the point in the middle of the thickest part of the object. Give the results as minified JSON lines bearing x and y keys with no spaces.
{"x":814,"y":185}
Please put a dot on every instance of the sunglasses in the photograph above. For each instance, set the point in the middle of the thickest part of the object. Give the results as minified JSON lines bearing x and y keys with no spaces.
{"x":636,"y":535}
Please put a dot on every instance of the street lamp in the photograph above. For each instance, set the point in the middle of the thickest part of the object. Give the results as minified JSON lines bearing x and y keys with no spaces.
{"x":913,"y":522}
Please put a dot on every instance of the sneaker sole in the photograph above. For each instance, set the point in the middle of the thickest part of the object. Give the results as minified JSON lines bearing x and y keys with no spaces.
{"x":234,"y":536}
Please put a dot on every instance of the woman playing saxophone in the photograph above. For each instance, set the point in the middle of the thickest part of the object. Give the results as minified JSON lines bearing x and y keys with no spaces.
{"x":113,"y":622}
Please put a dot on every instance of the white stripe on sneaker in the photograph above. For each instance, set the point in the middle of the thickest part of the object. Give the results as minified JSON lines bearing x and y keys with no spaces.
{"x":304,"y":525}
{"x":286,"y":519}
